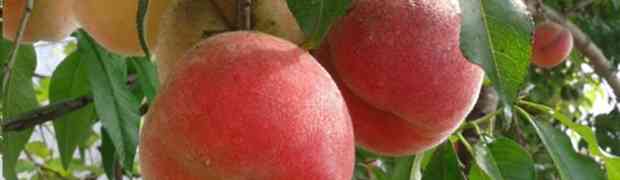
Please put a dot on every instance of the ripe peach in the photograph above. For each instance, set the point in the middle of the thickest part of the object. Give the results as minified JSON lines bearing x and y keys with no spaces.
{"x":247,"y":105}
{"x":552,"y":45}
{"x":189,"y":21}
{"x":402,"y":73}
{"x":112,"y":23}
{"x":49,"y":21}
{"x":379,"y":131}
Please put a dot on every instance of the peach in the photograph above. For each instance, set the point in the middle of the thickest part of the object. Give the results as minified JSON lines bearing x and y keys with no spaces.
{"x":49,"y":21}
{"x":552,"y":45}
{"x":247,"y":105}
{"x":113,"y":23}
{"x":402,"y":73}
{"x":189,"y":21}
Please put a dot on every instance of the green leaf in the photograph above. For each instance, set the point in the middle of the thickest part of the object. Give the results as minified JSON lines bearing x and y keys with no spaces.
{"x":402,"y":169}
{"x":444,"y":164}
{"x":20,"y":98}
{"x":496,"y":34}
{"x":42,"y":89}
{"x":419,"y":164}
{"x":613,"y":169}
{"x":147,"y":76}
{"x":39,"y":148}
{"x":108,"y":155}
{"x":25,"y":166}
{"x":70,"y":81}
{"x":377,"y":173}
{"x":571,"y":166}
{"x":475,"y":173}
{"x":608,"y":131}
{"x":115,"y":105}
{"x":316,"y":16}
{"x":504,"y":159}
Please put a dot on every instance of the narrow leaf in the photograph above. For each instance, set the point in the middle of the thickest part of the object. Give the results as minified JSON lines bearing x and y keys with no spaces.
{"x":570,"y":165}
{"x":69,"y":81}
{"x":20,"y":98}
{"x":115,"y":105}
{"x":108,"y":155}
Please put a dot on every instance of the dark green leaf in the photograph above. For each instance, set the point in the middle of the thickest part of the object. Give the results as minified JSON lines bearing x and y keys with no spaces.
{"x":69,"y":81}
{"x":115,"y":105}
{"x":147,"y":76}
{"x":608,"y":131}
{"x":571,"y":166}
{"x":20,"y":98}
{"x":496,"y":34}
{"x":316,"y":16}
{"x":505,"y":159}
{"x":444,"y":164}
{"x":108,"y":155}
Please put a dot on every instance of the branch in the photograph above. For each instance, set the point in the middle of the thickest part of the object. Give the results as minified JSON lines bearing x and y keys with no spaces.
{"x":45,"y":113}
{"x":54,"y":111}
{"x":244,"y":14}
{"x":8,"y":67}
{"x":583,"y":43}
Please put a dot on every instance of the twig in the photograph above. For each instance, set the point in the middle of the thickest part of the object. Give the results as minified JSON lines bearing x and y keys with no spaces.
{"x":45,"y":113}
{"x":584,"y":44}
{"x":118,"y":170}
{"x":54,"y":111}
{"x":244,"y":14}
{"x":8,"y":67}
{"x":40,"y":76}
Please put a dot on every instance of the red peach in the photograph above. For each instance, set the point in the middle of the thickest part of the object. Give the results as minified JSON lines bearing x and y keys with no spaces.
{"x":247,"y":105}
{"x":552,"y":45}
{"x":401,"y":61}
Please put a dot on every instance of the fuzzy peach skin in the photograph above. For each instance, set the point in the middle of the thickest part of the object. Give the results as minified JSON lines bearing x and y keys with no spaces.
{"x":552,"y":45}
{"x":401,"y":64}
{"x":189,"y":21}
{"x":379,"y":131}
{"x":49,"y":21}
{"x":112,"y":23}
{"x":248,"y":106}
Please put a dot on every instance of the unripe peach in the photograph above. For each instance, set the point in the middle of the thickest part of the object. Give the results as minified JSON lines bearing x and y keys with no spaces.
{"x":49,"y":21}
{"x":401,"y":64}
{"x":189,"y":21}
{"x":552,"y":45}
{"x":183,"y":25}
{"x":246,"y":105}
{"x":113,"y":23}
